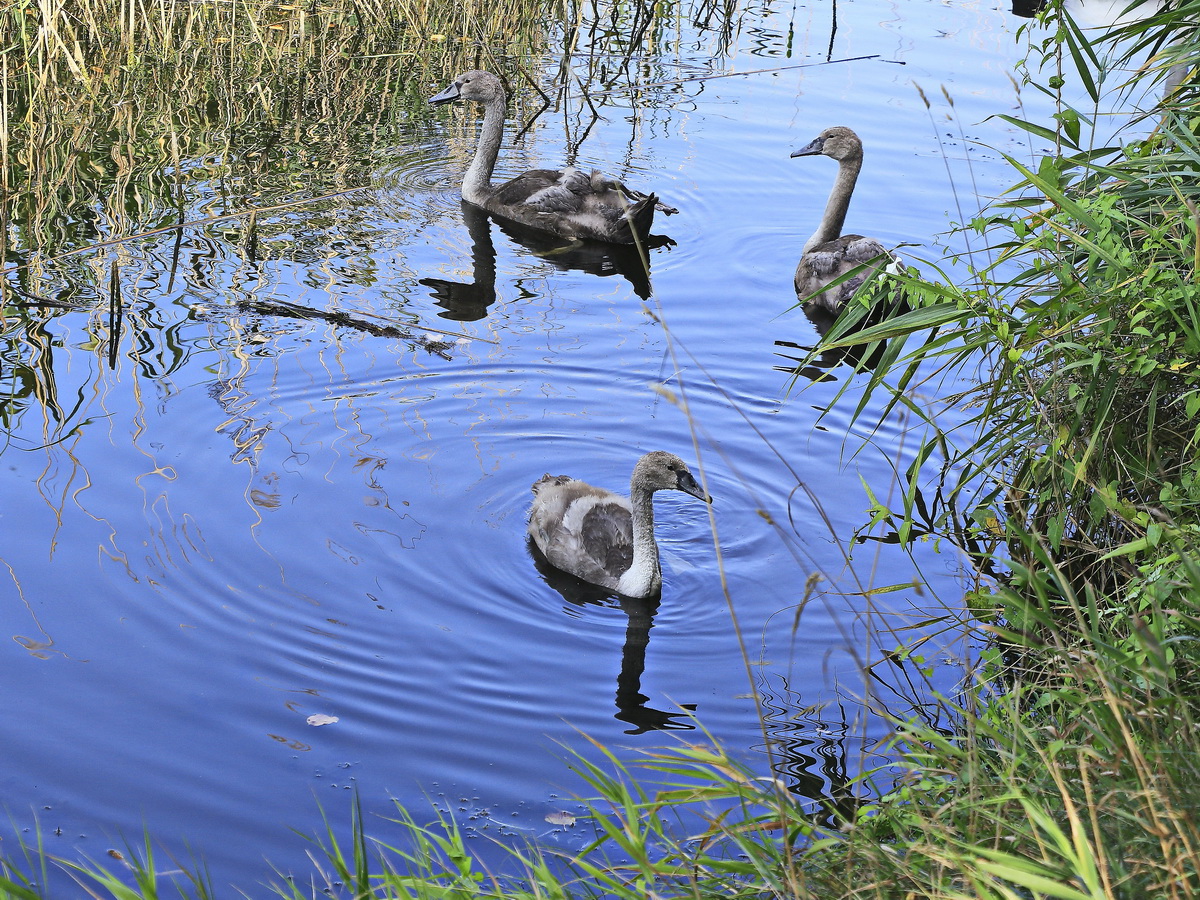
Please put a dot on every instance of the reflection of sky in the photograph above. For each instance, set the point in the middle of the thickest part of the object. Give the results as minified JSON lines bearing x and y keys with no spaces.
{"x":256,"y":518}
{"x":1102,"y":13}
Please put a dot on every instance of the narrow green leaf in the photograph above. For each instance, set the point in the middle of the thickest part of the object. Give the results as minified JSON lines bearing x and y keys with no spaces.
{"x":1125,"y":549}
{"x":1083,"y":56}
{"x":1042,"y":883}
{"x":1040,"y":130}
{"x":906,"y":323}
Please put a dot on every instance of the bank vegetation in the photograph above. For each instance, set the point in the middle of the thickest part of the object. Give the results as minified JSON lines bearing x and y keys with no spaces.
{"x":1071,"y":768}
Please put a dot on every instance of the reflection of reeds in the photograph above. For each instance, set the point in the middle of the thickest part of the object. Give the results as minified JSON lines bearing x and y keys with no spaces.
{"x":118,"y":120}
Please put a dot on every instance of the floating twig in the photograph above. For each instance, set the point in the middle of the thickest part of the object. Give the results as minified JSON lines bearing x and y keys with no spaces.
{"x":470,"y":337}
{"x":114,"y":314}
{"x":633,"y":88}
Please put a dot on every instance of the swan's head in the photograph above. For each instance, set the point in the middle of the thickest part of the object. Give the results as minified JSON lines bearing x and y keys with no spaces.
{"x":838,"y":143}
{"x":662,"y":471}
{"x":483,"y":87}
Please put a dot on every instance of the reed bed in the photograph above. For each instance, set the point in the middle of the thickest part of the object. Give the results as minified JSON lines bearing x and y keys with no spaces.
{"x":110,"y":108}
{"x":120,"y":121}
{"x":121,"y":117}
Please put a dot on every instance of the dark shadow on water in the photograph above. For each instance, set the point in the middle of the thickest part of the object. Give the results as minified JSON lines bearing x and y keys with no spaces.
{"x":632,"y":705}
{"x":809,"y":750}
{"x":469,"y":301}
{"x":824,"y":753}
{"x":814,"y":363}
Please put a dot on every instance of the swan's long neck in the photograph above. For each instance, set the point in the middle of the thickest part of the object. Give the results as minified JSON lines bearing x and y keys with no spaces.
{"x":643,"y":573}
{"x":477,"y":183}
{"x":830,"y":228}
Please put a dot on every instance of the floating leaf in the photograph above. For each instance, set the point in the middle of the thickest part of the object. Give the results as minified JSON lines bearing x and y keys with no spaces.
{"x":321,"y":719}
{"x":561,"y":818}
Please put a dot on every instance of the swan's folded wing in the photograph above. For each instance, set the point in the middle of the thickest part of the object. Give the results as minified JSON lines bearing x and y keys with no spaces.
{"x":607,"y":538}
{"x":860,"y":250}
{"x":582,"y":529}
{"x":546,"y":190}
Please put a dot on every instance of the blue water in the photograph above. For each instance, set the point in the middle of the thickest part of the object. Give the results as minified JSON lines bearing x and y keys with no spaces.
{"x":254,"y":519}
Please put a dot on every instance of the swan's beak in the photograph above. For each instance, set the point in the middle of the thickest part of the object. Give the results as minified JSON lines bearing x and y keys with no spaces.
{"x":814,"y":148}
{"x":686,"y":482}
{"x":449,"y":95}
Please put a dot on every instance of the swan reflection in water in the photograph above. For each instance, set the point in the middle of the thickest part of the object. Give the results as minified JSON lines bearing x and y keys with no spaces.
{"x":632,"y":705}
{"x":814,"y":362}
{"x":469,"y":301}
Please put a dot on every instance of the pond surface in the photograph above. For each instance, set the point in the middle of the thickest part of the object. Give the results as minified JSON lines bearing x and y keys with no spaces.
{"x":253,"y":518}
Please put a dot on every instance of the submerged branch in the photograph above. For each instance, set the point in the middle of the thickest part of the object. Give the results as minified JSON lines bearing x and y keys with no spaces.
{"x":284,"y":309}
